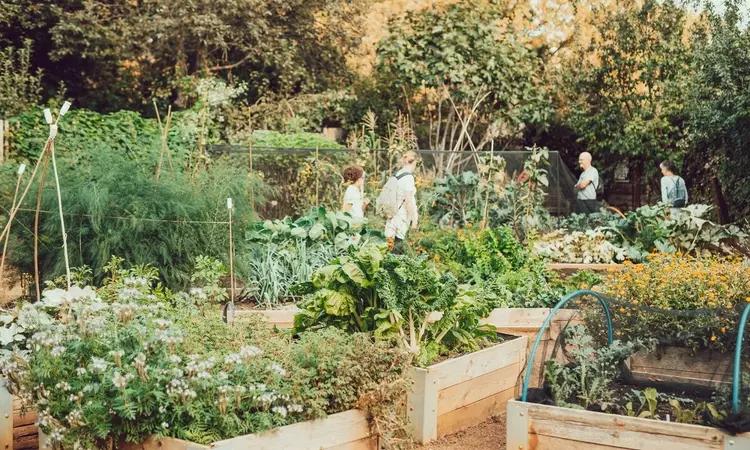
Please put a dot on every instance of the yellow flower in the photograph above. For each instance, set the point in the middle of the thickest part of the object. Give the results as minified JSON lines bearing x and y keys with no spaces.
{"x":713,"y":338}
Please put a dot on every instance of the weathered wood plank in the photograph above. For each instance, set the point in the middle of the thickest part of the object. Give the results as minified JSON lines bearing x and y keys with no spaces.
{"x":538,"y":442}
{"x":594,"y":267}
{"x":25,"y":430}
{"x":584,"y":427}
{"x":163,"y":444}
{"x":337,"y":429}
{"x":26,"y":419}
{"x":370,"y":443}
{"x":679,"y":365}
{"x":26,"y":442}
{"x":282,"y":318}
{"x":6,"y":417}
{"x":476,"y":389}
{"x":423,"y":404}
{"x":474,"y":413}
{"x":458,"y":370}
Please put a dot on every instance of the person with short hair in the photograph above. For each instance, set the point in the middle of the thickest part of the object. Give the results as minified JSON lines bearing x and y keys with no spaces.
{"x":407,"y":215}
{"x":354,"y":202}
{"x":588,"y":182}
{"x":673,"y":188}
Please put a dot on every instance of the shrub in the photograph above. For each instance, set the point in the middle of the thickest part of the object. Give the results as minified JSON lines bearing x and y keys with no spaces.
{"x":680,"y":300}
{"x":100,"y":373}
{"x":114,"y":206}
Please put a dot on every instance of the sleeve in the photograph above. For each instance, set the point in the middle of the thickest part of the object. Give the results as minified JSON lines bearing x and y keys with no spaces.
{"x":351,"y":195}
{"x":407,"y":184}
{"x":664,"y":193}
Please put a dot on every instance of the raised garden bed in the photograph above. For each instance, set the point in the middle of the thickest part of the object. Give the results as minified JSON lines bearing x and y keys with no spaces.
{"x":281,"y":318}
{"x":679,"y":365}
{"x":455,"y":394}
{"x":348,"y":430}
{"x":17,"y":431}
{"x":540,"y":427}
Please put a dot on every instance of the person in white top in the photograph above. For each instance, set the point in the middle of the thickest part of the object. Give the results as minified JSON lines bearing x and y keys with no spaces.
{"x":673,"y":189}
{"x":406,"y":216}
{"x":354,"y":201}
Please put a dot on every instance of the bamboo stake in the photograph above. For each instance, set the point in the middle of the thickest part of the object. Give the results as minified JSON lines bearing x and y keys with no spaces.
{"x":317,"y":177}
{"x":7,"y":237}
{"x":250,"y":157}
{"x":163,"y":131}
{"x":62,"y":219}
{"x":487,"y":194}
{"x":230,"y":207}
{"x":36,"y":227}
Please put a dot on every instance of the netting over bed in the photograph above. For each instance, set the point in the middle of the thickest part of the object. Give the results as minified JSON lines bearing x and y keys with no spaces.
{"x":626,"y":357}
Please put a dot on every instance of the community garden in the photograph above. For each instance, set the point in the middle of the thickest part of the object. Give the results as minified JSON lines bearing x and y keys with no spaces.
{"x":178,"y":270}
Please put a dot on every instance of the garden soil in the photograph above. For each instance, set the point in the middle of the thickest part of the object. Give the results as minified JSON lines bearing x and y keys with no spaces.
{"x":488,"y":435}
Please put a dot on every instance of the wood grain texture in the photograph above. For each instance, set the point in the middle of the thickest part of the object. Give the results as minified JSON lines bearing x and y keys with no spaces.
{"x":463,"y":394}
{"x":474,"y":413}
{"x":335,"y":430}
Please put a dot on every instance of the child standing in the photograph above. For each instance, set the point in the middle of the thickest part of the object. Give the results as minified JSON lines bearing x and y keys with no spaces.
{"x":354,"y":201}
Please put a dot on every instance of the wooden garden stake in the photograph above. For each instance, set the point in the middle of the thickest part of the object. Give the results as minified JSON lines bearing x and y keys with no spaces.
{"x":62,"y":219}
{"x":230,"y":208}
{"x":317,"y":177}
{"x":163,"y":131}
{"x":36,"y":227}
{"x":487,"y":193}
{"x":21,"y":169}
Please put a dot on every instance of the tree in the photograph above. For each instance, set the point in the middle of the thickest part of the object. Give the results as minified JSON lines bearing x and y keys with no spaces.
{"x":719,"y":108}
{"x":627,"y":89}
{"x":122,"y":53}
{"x":465,"y":75}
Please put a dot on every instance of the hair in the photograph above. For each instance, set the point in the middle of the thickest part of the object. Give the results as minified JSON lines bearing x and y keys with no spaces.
{"x":668,"y":165}
{"x":409,"y":157}
{"x":353,"y":173}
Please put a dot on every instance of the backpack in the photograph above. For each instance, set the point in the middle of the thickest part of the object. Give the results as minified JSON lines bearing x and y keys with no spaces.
{"x":676,"y":195}
{"x":599,"y":187}
{"x":386,"y":204}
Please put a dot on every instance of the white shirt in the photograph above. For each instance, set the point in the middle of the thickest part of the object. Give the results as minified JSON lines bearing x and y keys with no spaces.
{"x":398,"y":226}
{"x":589,"y":192}
{"x":353,"y":196}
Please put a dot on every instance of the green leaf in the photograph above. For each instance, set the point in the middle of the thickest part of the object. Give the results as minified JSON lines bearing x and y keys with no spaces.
{"x":299,"y":233}
{"x":316,"y":231}
{"x":338,"y":303}
{"x":355,"y":274}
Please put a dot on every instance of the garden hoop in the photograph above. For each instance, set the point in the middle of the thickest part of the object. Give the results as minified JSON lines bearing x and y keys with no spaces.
{"x":560,"y":304}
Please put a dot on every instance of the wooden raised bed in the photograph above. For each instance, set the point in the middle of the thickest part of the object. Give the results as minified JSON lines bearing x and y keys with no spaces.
{"x":679,"y":365}
{"x":17,"y":431}
{"x":460,"y":392}
{"x":281,"y":318}
{"x":540,"y":427}
{"x":348,"y":430}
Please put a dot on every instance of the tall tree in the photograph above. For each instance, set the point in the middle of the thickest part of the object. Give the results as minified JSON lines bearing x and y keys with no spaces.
{"x":719,"y":108}
{"x":626,"y":90}
{"x":121,"y":53}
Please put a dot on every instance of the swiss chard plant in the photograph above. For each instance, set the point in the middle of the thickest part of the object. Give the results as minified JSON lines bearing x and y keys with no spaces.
{"x":395,"y":297}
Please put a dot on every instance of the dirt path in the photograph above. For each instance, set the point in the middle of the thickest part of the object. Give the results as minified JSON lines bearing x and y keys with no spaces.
{"x":489,"y":435}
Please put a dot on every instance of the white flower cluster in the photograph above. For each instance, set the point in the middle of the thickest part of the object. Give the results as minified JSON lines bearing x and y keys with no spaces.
{"x":63,"y":386}
{"x":129,"y":294}
{"x":121,"y":381}
{"x":124,"y":311}
{"x":98,"y":364}
{"x":181,"y":389}
{"x":75,"y":417}
{"x":46,"y":339}
{"x":135,"y":282}
{"x":200,"y":369}
{"x":276,"y":367}
{"x":589,"y":247}
{"x":250,"y":351}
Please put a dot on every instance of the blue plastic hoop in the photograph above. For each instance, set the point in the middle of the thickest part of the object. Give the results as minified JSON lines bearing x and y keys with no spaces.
{"x":557,"y":307}
{"x":736,"y":378}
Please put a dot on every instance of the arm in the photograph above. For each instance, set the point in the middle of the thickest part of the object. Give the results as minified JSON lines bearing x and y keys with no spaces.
{"x":582,"y":185}
{"x":664,"y":197}
{"x":347,"y":207}
{"x":411,"y":209}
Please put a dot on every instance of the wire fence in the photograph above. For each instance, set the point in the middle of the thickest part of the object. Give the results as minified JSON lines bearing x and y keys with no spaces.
{"x":288,"y":170}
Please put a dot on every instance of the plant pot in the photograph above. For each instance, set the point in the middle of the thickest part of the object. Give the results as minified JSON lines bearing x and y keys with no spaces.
{"x":455,"y":394}
{"x":348,"y":430}
{"x":541,"y":427}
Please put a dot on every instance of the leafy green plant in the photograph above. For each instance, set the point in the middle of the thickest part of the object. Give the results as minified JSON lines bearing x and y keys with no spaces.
{"x":582,"y":247}
{"x":588,"y":380}
{"x":206,"y":280}
{"x":394,"y":296}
